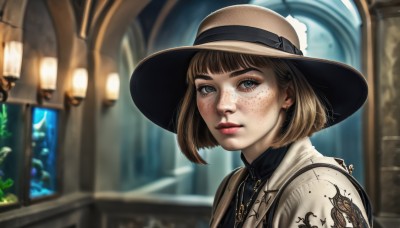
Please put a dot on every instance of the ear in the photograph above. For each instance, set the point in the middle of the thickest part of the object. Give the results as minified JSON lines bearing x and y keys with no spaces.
{"x":288,"y":97}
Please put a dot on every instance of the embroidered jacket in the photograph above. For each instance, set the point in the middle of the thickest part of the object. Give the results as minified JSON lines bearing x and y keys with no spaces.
{"x":320,"y":197}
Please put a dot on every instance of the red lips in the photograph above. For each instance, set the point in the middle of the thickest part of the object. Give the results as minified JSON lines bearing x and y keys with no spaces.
{"x":228,"y":128}
{"x":227,"y":125}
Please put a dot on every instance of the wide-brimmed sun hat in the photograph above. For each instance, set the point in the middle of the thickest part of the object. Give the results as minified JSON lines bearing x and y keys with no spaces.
{"x":158,"y":83}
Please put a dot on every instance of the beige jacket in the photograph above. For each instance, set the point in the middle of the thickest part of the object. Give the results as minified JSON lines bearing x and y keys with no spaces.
{"x":321,"y":197}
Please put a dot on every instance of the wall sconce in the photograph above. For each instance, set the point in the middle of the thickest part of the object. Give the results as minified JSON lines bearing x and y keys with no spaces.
{"x":79,"y":86}
{"x":11,"y":67}
{"x":112,"y":88}
{"x":48,"y":77}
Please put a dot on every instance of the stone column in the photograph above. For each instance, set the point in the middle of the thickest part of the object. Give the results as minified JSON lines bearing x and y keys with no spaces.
{"x":386,"y":32}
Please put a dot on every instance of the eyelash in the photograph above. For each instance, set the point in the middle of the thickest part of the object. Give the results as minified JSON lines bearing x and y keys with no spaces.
{"x":255,"y":84}
{"x":199,"y":90}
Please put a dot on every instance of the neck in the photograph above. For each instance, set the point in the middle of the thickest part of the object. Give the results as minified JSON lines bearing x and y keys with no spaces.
{"x":253,"y":151}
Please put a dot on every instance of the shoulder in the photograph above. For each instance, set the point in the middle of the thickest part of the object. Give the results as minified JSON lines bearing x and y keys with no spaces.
{"x":222,"y":186}
{"x":224,"y":194}
{"x":227,"y":178}
{"x":321,"y":197}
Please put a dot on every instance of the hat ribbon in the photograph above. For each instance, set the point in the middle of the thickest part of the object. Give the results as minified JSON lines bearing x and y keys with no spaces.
{"x":247,"y":34}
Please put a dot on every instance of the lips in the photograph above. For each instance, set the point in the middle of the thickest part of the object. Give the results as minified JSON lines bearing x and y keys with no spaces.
{"x":228,"y":128}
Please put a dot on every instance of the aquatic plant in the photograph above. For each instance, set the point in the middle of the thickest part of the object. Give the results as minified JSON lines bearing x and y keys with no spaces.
{"x":4,"y":185}
{"x":4,"y":151}
{"x":4,"y":133}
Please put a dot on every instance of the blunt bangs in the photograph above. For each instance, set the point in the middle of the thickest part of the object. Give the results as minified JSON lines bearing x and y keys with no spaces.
{"x":217,"y":62}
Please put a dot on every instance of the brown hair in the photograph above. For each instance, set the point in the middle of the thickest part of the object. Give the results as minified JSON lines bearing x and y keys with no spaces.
{"x":306,"y":116}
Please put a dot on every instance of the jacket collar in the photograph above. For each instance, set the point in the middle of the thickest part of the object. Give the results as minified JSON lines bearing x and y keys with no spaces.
{"x":265,"y":164}
{"x":301,"y":153}
{"x":297,"y":155}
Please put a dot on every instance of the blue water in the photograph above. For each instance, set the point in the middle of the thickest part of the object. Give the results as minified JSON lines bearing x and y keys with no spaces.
{"x":44,"y":148}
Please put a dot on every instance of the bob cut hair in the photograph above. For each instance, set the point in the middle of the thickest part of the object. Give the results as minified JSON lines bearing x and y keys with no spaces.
{"x":307,"y":115}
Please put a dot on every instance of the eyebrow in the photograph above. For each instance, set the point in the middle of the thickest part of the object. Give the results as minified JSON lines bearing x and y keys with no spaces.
{"x":202,"y":76}
{"x":240,"y":72}
{"x":233,"y":74}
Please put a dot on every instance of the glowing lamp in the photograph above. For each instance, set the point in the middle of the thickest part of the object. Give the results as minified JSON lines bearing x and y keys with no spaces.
{"x":48,"y":76}
{"x":112,"y":88}
{"x":79,"y":86}
{"x":12,"y":61}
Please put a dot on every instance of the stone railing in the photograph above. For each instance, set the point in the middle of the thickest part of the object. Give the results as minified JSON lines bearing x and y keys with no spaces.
{"x":151,"y":211}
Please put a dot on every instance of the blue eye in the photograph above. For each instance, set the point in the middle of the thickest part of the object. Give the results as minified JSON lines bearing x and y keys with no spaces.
{"x":248,"y":84}
{"x":204,"y":90}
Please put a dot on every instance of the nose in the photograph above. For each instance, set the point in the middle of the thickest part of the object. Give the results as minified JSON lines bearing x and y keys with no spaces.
{"x":226,"y":102}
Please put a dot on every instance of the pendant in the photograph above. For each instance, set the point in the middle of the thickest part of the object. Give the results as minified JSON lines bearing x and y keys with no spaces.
{"x":256,"y":185}
{"x":240,"y":214}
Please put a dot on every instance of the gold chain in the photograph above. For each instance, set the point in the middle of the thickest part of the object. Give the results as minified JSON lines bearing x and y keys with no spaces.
{"x":241,"y":208}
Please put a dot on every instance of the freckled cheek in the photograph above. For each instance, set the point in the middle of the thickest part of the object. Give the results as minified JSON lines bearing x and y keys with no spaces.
{"x":259,"y":103}
{"x":205,"y":108}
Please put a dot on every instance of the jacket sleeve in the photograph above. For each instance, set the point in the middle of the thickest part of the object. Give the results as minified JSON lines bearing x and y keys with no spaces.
{"x":321,"y":203}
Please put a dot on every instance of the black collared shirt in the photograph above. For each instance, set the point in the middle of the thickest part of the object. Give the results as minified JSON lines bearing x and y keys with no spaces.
{"x":260,"y":169}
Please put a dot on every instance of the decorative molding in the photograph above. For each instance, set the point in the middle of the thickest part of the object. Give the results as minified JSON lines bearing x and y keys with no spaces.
{"x":370,"y":116}
{"x":46,"y":210}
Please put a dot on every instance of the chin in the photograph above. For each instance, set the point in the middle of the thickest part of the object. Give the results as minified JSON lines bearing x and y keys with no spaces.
{"x":230,"y":143}
{"x":230,"y":146}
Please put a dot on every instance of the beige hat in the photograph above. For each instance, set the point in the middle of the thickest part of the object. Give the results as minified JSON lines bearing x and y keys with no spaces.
{"x":159,"y":81}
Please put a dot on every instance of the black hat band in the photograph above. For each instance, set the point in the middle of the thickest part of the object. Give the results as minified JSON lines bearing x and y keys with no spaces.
{"x":247,"y":34}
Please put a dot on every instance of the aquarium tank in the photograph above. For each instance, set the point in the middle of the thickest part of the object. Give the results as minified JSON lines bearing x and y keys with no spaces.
{"x":11,"y":153}
{"x":43,"y":173}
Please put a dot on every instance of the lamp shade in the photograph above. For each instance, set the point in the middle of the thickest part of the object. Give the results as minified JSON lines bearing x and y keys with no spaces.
{"x":12,"y":59}
{"x":48,"y":73}
{"x":112,"y":87}
{"x":79,"y":83}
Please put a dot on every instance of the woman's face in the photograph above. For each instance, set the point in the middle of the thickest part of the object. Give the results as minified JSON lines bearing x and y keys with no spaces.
{"x":243,"y":109}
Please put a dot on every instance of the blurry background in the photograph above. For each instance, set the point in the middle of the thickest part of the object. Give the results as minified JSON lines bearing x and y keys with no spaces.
{"x":76,"y":153}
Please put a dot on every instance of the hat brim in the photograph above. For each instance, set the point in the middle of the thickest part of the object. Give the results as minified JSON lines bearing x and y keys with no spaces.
{"x":158,"y":83}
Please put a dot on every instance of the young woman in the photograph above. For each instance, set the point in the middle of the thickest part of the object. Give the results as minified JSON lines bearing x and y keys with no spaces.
{"x":245,"y":85}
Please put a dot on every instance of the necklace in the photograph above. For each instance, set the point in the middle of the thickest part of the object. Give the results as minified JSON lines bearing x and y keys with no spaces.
{"x":242,"y":207}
